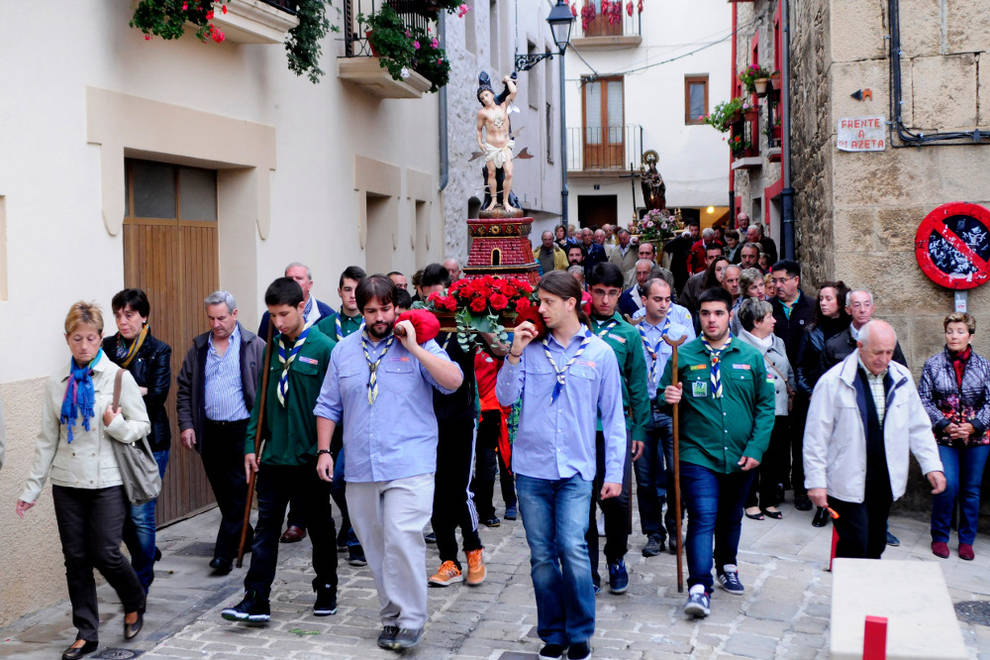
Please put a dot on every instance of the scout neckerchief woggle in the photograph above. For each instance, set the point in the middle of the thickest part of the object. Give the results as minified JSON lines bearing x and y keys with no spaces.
{"x":716,"y":354}
{"x":283,"y":381}
{"x":654,"y":351}
{"x":561,"y":374}
{"x":374,"y":364}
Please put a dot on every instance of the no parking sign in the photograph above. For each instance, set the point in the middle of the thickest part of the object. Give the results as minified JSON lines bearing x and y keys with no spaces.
{"x":952,"y":245}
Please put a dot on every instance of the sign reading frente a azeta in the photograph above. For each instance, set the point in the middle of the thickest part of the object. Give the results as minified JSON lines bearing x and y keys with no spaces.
{"x":861,"y":133}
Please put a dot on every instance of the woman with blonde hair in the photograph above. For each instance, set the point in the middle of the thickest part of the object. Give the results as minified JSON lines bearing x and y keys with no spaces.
{"x":78,"y":425}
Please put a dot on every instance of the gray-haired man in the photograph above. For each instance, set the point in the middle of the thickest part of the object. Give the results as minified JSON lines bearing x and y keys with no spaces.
{"x":216,"y":391}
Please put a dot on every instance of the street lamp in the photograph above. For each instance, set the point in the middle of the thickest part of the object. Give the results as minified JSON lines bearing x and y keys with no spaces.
{"x":560,"y":20}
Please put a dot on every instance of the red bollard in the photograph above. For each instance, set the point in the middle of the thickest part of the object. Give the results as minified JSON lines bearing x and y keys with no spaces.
{"x":835,"y":542}
{"x":875,"y":638}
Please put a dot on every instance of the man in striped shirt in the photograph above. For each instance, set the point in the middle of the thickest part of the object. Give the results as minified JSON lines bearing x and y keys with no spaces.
{"x":216,"y":390}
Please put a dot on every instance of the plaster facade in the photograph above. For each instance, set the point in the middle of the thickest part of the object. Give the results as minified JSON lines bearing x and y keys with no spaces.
{"x":668,"y":42}
{"x":297,"y":164}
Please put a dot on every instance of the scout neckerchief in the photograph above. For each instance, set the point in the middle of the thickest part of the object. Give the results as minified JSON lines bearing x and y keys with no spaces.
{"x":605,"y":327}
{"x":654,"y":350}
{"x":561,"y":374}
{"x":306,"y":312}
{"x":283,"y":381}
{"x":79,"y":395}
{"x":340,"y":328}
{"x":716,"y":354}
{"x":374,"y":364}
{"x":126,"y":355}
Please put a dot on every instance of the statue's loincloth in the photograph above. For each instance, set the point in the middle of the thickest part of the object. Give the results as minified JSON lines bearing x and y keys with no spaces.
{"x":499,"y":155}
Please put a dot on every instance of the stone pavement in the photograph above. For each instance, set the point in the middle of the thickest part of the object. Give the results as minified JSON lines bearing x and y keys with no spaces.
{"x":784,"y":613}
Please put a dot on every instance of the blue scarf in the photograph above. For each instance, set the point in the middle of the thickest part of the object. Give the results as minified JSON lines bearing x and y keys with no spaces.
{"x":79,"y":395}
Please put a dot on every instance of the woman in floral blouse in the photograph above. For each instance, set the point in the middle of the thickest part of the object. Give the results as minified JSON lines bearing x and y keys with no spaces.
{"x":955,"y":389}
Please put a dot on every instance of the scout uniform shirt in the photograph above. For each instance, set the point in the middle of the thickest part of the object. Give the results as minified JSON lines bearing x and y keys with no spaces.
{"x":289,"y":432}
{"x":625,"y":342}
{"x":717,"y":432}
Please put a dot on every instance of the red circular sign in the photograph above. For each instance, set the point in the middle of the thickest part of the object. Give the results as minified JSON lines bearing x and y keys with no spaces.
{"x":952,"y":245}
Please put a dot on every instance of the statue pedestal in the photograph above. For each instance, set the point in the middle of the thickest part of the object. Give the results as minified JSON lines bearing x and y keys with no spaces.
{"x":501,"y":246}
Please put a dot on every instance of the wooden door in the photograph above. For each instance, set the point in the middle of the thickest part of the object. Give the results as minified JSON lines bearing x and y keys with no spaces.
{"x":175,"y":261}
{"x":604,"y":132}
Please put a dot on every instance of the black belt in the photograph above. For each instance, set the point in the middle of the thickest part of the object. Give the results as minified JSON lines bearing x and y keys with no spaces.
{"x":214,"y":422}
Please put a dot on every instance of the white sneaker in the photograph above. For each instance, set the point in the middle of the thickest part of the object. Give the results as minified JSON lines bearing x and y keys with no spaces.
{"x":698,"y":604}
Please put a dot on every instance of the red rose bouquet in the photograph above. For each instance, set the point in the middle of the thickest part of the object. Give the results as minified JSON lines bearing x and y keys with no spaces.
{"x":483,"y":305}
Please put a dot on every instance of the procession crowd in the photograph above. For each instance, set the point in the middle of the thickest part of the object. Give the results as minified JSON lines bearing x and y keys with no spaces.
{"x":405,"y":429}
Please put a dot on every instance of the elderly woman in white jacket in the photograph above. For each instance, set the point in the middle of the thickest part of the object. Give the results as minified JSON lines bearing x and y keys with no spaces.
{"x":756,"y":323}
{"x":78,"y":425}
{"x":864,"y":417}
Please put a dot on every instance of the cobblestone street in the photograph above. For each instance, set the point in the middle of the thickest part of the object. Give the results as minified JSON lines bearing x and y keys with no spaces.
{"x":784,"y":613}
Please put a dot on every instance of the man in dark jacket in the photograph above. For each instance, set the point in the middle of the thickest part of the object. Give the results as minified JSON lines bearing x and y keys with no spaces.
{"x":794,"y":311}
{"x":216,"y":390}
{"x":150,"y":362}
{"x":859,"y":306}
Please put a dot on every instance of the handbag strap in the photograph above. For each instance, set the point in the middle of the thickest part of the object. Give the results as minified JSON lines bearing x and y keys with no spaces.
{"x":790,"y":390}
{"x":116,"y":388}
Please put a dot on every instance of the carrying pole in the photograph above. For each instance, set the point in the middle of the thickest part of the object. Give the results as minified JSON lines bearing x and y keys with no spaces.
{"x":674,"y":343}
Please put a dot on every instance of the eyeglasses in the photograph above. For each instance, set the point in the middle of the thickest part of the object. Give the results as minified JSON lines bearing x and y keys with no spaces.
{"x":781,"y":280}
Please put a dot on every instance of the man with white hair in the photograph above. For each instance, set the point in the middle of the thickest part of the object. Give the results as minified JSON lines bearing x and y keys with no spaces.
{"x":594,"y":252}
{"x":549,"y":255}
{"x":859,"y":306}
{"x":696,"y":260}
{"x":624,"y":255}
{"x":864,"y":418}
{"x":453,"y":267}
{"x":754,"y":234}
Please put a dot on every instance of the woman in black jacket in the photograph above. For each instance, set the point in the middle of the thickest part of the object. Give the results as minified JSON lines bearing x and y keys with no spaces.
{"x":150,"y":362}
{"x":830,"y":319}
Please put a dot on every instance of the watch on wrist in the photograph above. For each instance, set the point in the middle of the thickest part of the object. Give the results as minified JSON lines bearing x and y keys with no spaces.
{"x":322,"y":451}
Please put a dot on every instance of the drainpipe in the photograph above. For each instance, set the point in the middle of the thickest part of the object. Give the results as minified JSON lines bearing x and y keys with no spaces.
{"x":442,"y":100}
{"x":732,"y":89}
{"x":787,"y":193}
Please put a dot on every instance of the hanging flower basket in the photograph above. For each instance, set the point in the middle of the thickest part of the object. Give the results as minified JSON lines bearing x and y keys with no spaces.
{"x":761,"y":86}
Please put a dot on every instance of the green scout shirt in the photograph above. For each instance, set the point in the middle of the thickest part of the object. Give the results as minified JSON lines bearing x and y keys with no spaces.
{"x":348,"y":324}
{"x":289,"y":432}
{"x":625,"y":342}
{"x":716,"y":433}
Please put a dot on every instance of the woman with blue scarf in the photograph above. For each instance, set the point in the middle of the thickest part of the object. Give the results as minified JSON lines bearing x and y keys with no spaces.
{"x":74,"y":447}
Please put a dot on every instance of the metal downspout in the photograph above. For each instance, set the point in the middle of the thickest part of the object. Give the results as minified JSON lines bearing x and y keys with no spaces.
{"x":787,"y":194}
{"x":442,"y":100}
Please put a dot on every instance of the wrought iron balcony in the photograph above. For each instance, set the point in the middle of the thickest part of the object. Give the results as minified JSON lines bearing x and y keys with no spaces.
{"x":412,"y":12}
{"x":290,"y":6}
{"x":602,"y":33}
{"x":608,"y":149}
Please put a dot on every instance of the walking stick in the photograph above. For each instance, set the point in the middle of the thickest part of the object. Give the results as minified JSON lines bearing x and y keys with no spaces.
{"x":674,"y":343}
{"x":257,"y":445}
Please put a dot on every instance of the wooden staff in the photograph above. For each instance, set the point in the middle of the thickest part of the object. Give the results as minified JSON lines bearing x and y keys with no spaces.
{"x":674,"y":343}
{"x":257,"y":445}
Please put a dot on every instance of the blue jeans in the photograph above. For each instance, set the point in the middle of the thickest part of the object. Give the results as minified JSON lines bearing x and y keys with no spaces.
{"x":555,"y":516}
{"x":652,"y":477}
{"x":715,"y":508}
{"x":963,"y":475}
{"x":139,"y":532}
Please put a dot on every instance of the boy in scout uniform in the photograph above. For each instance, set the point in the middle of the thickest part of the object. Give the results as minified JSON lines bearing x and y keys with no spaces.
{"x":287,"y":466}
{"x":605,"y":282}
{"x":727,"y":414}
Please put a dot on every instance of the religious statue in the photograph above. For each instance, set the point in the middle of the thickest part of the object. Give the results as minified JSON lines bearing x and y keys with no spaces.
{"x":495,"y":141}
{"x":654,"y":189}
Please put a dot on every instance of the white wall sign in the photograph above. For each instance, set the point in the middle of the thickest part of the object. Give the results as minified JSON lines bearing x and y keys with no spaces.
{"x":861,"y":134}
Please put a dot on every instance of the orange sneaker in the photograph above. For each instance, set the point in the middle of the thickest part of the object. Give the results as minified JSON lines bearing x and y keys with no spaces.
{"x":476,"y":568}
{"x":447,"y":574}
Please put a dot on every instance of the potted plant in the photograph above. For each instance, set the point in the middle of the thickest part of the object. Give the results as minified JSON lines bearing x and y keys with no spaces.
{"x":168,"y":19}
{"x":755,"y":79}
{"x":401,"y":49}
{"x":727,"y":113}
{"x":738,"y":145}
{"x":655,"y":227}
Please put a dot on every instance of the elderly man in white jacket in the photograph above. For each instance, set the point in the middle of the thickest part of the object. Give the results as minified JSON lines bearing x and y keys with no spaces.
{"x":864,"y":417}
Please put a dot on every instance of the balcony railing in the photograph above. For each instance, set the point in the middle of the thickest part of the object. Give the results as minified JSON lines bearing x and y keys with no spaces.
{"x":356,"y":41}
{"x":597,"y":148}
{"x":600,"y":32}
{"x":289,"y":6}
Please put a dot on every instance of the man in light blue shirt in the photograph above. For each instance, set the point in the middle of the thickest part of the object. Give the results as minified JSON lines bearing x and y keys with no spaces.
{"x":654,"y":468}
{"x":564,"y":380}
{"x":379,"y":387}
